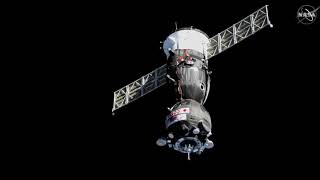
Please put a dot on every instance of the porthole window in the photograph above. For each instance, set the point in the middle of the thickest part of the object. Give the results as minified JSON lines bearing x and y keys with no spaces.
{"x":202,"y":86}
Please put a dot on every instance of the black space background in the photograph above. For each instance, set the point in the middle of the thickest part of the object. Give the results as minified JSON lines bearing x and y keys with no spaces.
{"x":263,"y":101}
{"x":264,"y":97}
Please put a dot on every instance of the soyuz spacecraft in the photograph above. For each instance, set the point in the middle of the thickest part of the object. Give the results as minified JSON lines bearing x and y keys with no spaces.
{"x":188,"y":123}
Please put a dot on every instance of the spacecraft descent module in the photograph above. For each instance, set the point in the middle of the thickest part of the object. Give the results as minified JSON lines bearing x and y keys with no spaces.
{"x":188,"y":124}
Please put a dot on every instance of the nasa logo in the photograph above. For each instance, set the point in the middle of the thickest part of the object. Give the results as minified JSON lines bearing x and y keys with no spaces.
{"x":307,"y":14}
